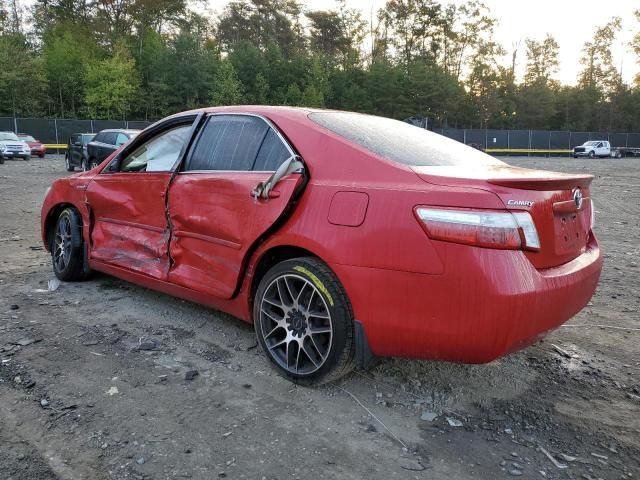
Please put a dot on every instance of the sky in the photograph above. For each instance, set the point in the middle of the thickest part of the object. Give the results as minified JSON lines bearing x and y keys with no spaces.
{"x":571,"y":22}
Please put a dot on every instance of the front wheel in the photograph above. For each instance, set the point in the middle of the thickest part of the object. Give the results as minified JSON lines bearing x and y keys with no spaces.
{"x":94,"y":163}
{"x":304,"y":323}
{"x":67,"y":246}
{"x":67,"y":164}
{"x":592,"y":154}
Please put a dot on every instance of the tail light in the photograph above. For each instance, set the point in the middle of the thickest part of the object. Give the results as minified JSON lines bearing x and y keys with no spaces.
{"x":490,"y":229}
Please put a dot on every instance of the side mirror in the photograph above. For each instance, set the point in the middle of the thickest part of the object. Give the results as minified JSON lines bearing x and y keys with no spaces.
{"x":114,"y":165}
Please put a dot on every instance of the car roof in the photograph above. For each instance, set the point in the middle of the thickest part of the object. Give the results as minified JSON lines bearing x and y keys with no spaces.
{"x":119,"y":130}
{"x":280,"y":110}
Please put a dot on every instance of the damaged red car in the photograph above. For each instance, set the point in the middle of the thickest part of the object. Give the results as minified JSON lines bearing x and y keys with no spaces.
{"x":340,"y":236}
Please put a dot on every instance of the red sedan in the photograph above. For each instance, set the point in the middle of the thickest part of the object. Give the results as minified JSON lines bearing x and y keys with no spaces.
{"x":36,"y":146}
{"x":341,"y":236}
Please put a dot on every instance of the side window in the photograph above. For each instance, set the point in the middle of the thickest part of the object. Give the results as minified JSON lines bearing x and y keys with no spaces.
{"x":108,"y":138}
{"x":121,"y":138}
{"x":158,"y":154}
{"x":99,"y":137}
{"x":228,"y":142}
{"x":272,"y":153}
{"x":74,"y":139}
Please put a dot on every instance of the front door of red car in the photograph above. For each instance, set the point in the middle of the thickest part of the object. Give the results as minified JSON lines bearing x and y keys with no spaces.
{"x":127,"y":203}
{"x":215,"y":219}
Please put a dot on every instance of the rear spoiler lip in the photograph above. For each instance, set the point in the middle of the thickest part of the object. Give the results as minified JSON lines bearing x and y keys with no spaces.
{"x":542,"y":183}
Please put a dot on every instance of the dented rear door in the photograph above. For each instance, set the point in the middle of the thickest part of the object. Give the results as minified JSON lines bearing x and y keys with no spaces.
{"x":215,"y":220}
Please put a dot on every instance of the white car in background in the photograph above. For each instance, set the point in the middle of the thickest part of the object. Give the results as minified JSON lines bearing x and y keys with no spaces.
{"x":11,"y":146}
{"x":592,"y":149}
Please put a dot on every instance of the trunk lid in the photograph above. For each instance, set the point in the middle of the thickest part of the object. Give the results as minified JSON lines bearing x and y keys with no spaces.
{"x":559,"y":203}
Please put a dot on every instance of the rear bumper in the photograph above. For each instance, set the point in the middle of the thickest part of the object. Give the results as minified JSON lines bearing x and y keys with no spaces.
{"x":486,"y":304}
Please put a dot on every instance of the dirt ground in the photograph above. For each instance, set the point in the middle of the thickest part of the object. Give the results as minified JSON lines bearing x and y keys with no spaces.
{"x":92,"y":378}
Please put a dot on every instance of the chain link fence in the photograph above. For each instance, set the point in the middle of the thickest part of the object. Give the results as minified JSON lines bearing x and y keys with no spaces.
{"x":535,"y":139}
{"x":58,"y":131}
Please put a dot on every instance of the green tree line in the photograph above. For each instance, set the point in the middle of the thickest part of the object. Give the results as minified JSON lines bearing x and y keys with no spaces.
{"x":145,"y":59}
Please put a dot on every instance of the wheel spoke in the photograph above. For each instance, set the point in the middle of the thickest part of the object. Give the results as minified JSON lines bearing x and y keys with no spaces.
{"x":318,"y":315}
{"x":281,"y":293}
{"x":272,"y":331}
{"x":291,"y":295}
{"x":310,"y":356}
{"x":317,"y":331}
{"x":300,"y":292}
{"x":298,"y":356}
{"x":313,"y":294}
{"x":277,"y":344}
{"x":277,"y":320}
{"x":273,"y":302}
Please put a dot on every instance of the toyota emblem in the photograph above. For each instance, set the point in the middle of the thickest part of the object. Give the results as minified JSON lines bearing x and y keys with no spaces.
{"x":577,"y":198}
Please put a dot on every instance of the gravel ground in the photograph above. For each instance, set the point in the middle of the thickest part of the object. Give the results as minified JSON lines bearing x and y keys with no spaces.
{"x":93,"y":378}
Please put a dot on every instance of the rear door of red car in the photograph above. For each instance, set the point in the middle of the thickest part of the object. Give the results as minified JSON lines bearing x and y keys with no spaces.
{"x":214,"y":217}
{"x":127,"y":201}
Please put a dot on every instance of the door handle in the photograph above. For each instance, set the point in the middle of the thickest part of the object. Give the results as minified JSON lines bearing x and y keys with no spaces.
{"x":271,"y":194}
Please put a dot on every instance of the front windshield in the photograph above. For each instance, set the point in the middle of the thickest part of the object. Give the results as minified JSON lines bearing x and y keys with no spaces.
{"x":27,"y":138}
{"x":589,"y":144}
{"x":400,"y":141}
{"x":9,"y":136}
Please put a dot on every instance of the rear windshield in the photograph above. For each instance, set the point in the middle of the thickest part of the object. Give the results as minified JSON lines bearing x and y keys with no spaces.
{"x":400,"y":141}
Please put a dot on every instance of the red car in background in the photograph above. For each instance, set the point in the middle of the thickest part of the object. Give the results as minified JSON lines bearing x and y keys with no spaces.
{"x":340,"y":236}
{"x":37,"y":148}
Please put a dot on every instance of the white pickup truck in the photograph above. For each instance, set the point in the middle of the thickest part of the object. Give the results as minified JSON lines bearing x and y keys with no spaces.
{"x":592,"y":149}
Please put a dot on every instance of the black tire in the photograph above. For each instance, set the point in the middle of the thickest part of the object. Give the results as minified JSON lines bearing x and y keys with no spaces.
{"x":67,"y":164}
{"x":93,"y":164}
{"x":334,"y":352}
{"x":1,"y":160}
{"x":41,"y":155}
{"x":592,"y":154}
{"x":27,"y":158}
{"x":67,"y":247}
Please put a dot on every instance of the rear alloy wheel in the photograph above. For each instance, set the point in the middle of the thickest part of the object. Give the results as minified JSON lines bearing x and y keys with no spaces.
{"x":304,"y":323}
{"x":67,"y":246}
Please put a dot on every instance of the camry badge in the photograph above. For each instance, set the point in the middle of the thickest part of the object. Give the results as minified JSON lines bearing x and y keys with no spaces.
{"x":520,"y":203}
{"x":577,"y":198}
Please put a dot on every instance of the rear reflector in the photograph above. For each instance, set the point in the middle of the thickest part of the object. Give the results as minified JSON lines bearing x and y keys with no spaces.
{"x":481,"y":228}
